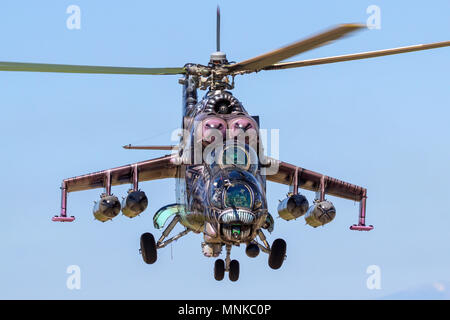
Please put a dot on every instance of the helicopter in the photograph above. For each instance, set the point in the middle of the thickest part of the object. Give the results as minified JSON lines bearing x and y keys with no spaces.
{"x":219,"y":164}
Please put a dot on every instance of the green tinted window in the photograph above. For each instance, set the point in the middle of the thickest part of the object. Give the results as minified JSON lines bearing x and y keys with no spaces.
{"x":235,"y":156}
{"x":238,"y":195}
{"x":163,"y":214}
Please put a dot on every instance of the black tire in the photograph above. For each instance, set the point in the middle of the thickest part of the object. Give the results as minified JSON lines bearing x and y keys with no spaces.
{"x":234,"y":270}
{"x":252,"y":250}
{"x":219,"y":269}
{"x":148,"y":248}
{"x":277,"y":254}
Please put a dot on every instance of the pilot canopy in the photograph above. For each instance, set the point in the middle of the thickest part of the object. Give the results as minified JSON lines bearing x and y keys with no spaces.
{"x":236,"y":182}
{"x":231,"y":154}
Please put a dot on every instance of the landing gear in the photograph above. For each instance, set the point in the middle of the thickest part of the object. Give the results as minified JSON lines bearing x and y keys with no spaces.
{"x":277,"y":253}
{"x":233,"y":273}
{"x":252,"y":250}
{"x":219,"y":269}
{"x":148,"y":248}
{"x":231,"y":266}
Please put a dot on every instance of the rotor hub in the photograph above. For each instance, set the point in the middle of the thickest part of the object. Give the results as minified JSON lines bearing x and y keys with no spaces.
{"x":218,"y":58}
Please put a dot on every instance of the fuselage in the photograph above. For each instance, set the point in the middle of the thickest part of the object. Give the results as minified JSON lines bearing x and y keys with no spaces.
{"x":221,"y":185}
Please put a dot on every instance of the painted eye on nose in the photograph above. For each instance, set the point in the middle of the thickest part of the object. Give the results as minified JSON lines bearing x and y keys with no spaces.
{"x":211,"y":129}
{"x":243,"y":126}
{"x":214,"y":126}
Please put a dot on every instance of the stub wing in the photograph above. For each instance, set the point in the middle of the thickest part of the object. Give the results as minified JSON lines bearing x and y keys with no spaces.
{"x":299,"y":177}
{"x":154,"y":169}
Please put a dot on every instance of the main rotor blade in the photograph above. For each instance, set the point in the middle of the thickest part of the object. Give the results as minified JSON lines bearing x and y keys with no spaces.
{"x":66,"y":68}
{"x":269,"y":58}
{"x":129,"y":146}
{"x":357,"y":56}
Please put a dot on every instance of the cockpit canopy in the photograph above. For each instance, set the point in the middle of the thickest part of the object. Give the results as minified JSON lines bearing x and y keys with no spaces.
{"x":231,"y":155}
{"x":236,"y":182}
{"x":234,"y":188}
{"x":238,"y":195}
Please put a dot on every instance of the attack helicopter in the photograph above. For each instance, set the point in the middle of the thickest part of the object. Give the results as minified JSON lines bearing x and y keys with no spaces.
{"x":219,"y":164}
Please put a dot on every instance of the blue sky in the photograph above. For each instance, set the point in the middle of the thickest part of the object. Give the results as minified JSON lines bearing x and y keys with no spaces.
{"x":381,"y":123}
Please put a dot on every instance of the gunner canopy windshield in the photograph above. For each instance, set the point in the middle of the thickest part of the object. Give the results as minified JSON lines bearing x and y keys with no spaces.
{"x":235,"y":182}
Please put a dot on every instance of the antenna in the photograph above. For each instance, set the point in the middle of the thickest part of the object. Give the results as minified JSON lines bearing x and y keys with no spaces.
{"x":218,"y":30}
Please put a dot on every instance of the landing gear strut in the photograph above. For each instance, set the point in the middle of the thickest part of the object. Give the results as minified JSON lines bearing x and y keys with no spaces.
{"x":277,"y":253}
{"x":149,"y":246}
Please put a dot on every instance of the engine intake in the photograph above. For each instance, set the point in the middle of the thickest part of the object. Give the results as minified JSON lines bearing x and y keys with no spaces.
{"x":107,"y":208}
{"x":320,"y":214}
{"x":293,"y":207}
{"x":134,"y":204}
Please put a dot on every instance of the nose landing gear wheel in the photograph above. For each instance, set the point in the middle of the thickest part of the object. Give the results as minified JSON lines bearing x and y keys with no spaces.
{"x":148,"y":248}
{"x":234,"y":270}
{"x":277,"y":253}
{"x":219,"y":269}
{"x":252,"y":250}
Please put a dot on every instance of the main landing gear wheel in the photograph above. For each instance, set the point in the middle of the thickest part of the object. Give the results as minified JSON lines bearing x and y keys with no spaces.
{"x":219,"y":269}
{"x":277,"y":253}
{"x":233,"y":273}
{"x":148,"y":248}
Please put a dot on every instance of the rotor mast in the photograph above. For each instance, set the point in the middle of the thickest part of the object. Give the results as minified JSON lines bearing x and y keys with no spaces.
{"x":218,"y":80}
{"x":218,"y":30}
{"x":218,"y":57}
